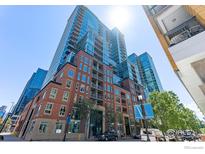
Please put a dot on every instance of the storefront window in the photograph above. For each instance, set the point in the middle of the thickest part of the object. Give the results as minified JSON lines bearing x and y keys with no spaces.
{"x":74,"y":126}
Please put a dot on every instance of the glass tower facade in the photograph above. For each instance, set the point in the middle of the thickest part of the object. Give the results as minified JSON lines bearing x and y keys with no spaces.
{"x":147,"y":72}
{"x":84,"y":31}
{"x":32,"y":87}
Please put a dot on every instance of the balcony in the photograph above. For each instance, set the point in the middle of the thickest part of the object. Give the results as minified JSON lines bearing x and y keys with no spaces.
{"x":95,"y":76}
{"x":93,"y":95}
{"x":156,"y":9}
{"x":100,"y":78}
{"x":93,"y":85}
{"x":123,"y":97}
{"x":100,"y":87}
{"x":184,"y":31}
{"x":99,"y":96}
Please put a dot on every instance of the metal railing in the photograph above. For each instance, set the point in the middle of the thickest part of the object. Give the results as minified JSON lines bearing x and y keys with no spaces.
{"x":184,"y":31}
{"x":155,"y":9}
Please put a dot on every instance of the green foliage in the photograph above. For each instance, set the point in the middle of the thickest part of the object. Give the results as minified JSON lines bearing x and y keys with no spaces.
{"x":119,"y":117}
{"x":110,"y":115}
{"x":84,"y":108}
{"x":170,"y":114}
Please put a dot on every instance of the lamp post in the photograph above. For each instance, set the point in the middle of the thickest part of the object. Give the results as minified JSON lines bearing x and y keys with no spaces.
{"x":140,"y":98}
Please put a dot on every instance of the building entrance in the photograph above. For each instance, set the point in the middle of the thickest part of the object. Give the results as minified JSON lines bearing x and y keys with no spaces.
{"x":96,"y":123}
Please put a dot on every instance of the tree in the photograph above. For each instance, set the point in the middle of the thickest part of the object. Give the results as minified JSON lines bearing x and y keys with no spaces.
{"x":110,"y":116}
{"x":84,"y":110}
{"x":170,"y":114}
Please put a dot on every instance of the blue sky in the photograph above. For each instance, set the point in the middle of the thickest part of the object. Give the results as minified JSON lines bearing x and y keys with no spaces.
{"x":29,"y":36}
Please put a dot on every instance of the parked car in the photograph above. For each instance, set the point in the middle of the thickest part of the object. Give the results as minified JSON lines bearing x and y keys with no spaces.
{"x":1,"y":137}
{"x":189,"y":136}
{"x":108,"y":136}
{"x":137,"y":136}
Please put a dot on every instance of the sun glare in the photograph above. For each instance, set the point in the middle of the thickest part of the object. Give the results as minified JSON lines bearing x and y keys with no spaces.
{"x":119,"y":17}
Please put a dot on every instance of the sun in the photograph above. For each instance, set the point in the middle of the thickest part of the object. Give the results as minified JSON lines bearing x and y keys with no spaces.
{"x":119,"y":17}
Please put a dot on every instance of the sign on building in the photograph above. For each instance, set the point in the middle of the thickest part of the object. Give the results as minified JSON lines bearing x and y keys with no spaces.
{"x":149,"y":114}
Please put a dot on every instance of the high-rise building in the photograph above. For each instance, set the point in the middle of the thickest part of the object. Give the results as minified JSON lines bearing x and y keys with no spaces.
{"x":180,"y":30}
{"x":31,"y":89}
{"x":2,"y":111}
{"x":90,"y":64}
{"x":147,"y":72}
{"x":84,"y":31}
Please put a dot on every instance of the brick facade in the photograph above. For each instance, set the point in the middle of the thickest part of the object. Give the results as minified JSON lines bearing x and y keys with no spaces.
{"x":44,"y":118}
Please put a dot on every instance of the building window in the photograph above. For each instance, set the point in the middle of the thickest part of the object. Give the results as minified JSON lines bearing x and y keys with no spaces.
{"x":83,"y":78}
{"x":59,"y":127}
{"x":37,"y":110}
{"x":62,"y":111}
{"x":71,"y":73}
{"x":88,"y":80}
{"x":82,"y":88}
{"x":87,"y":89}
{"x":68,"y":83}
{"x":85,"y":68}
{"x":118,"y":99}
{"x":118,"y":108}
{"x":61,"y":75}
{"x":43,"y":127}
{"x":86,"y":60}
{"x":53,"y":93}
{"x":81,"y":65}
{"x":127,"y":96}
{"x":74,"y":126}
{"x":88,"y":70}
{"x":78,"y":76}
{"x":81,"y":58}
{"x":65,"y":96}
{"x":117,"y":92}
{"x":32,"y":126}
{"x":109,"y":88}
{"x":80,"y":100}
{"x":48,"y":108}
{"x":44,"y":95}
{"x":75,"y":98}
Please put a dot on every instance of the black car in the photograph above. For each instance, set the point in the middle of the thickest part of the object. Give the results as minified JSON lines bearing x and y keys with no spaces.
{"x":188,"y":136}
{"x":108,"y":136}
{"x":137,"y":137}
{"x":1,"y":138}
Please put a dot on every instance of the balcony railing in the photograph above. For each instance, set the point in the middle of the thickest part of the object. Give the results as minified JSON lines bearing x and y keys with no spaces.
{"x":155,"y":9}
{"x":123,"y":97}
{"x":100,"y":96}
{"x":93,"y":95}
{"x":95,"y":76}
{"x":100,"y":78}
{"x":184,"y":31}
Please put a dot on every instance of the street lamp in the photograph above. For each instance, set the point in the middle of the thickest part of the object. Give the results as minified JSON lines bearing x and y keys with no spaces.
{"x":140,"y":98}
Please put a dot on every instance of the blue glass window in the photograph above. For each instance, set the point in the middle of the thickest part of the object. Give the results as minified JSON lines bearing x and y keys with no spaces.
{"x":86,"y":60}
{"x":81,"y":65}
{"x":88,"y":80}
{"x":85,"y":68}
{"x":83,"y":78}
{"x":78,"y":76}
{"x":117,"y":92}
{"x":71,"y":73}
{"x":88,"y":70}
